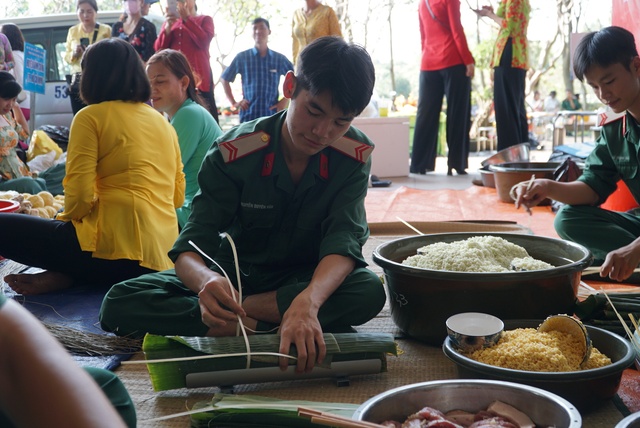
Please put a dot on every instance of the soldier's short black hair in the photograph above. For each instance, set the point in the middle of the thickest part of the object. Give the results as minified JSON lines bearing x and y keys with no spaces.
{"x":344,"y":69}
{"x":113,"y":71}
{"x":603,"y":48}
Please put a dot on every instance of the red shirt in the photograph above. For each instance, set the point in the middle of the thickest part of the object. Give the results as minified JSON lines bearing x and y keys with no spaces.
{"x":444,"y":43}
{"x":192,"y":37}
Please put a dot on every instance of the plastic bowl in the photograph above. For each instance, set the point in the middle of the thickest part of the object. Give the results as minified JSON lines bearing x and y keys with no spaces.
{"x":506,"y":175}
{"x":421,"y":300}
{"x":469,"y":331}
{"x":585,"y":388}
{"x":517,"y":153}
{"x":8,"y":206}
{"x":544,"y":408}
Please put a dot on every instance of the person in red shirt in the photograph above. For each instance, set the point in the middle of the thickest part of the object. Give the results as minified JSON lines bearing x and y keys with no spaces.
{"x":191,"y":34}
{"x":447,"y":68}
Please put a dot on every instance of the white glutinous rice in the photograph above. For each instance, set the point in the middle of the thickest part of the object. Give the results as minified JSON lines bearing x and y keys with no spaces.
{"x":476,"y":254}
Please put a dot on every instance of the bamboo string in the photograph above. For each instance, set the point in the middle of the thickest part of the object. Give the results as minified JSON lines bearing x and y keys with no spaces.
{"x":236,"y":294}
{"x":632,"y":337}
{"x":596,"y":269}
{"x":409,"y":226}
{"x":238,"y":297}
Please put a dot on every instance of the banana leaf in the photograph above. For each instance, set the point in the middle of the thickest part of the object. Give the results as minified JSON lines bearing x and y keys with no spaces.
{"x":172,"y":375}
{"x":247,"y":411}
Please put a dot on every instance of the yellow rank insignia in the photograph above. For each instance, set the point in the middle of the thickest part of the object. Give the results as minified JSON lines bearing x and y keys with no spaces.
{"x":243,"y":146}
{"x":353,"y":148}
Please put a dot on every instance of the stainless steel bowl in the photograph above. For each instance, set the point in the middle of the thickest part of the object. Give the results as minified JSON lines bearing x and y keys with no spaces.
{"x":631,"y":421}
{"x":584,"y":389}
{"x":517,"y":153}
{"x":421,"y":300}
{"x":544,"y":408}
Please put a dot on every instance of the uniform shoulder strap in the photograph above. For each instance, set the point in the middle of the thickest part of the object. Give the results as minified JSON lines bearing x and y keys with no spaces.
{"x":353,"y":148}
{"x":244,"y":145}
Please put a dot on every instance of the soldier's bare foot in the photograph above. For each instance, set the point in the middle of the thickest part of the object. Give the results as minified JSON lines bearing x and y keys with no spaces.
{"x":38,"y":283}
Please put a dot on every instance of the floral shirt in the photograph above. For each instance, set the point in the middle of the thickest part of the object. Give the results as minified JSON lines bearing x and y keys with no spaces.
{"x":515,"y":14}
{"x":10,"y":164}
{"x":142,"y":38}
{"x":6,"y":54}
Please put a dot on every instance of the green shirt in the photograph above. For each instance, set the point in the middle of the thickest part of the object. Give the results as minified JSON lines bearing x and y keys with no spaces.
{"x":615,"y":157}
{"x":247,"y":191}
{"x":197,"y":130}
{"x":515,"y":14}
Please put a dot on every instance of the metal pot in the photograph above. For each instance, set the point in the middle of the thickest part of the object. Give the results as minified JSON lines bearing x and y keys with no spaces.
{"x":544,"y":408}
{"x":517,"y":153}
{"x":585,"y":388}
{"x":421,"y":300}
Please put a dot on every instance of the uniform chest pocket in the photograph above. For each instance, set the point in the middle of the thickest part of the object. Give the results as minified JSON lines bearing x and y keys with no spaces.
{"x":257,"y":219}
{"x":628,"y":170}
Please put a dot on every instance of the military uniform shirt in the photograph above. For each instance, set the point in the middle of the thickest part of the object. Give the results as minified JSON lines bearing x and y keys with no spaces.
{"x":616,"y":156}
{"x":247,"y":191}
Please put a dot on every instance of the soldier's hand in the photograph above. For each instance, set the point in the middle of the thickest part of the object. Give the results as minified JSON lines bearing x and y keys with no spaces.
{"x":217,"y":302}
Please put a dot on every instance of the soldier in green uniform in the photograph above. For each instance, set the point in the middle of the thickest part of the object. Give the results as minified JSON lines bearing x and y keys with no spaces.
{"x":608,"y":61}
{"x":289,"y":190}
{"x":41,"y":385}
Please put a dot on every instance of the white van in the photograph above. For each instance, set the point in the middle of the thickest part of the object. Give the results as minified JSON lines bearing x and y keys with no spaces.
{"x":50,"y":33}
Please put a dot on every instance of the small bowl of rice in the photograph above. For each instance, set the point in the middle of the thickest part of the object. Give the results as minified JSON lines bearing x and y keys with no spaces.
{"x":550,"y":361}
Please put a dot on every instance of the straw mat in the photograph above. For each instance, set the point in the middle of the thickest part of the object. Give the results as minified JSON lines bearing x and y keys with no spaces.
{"x":416,"y":363}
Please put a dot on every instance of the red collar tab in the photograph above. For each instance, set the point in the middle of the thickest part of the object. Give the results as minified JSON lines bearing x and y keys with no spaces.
{"x":267,"y":165}
{"x":324,"y":166}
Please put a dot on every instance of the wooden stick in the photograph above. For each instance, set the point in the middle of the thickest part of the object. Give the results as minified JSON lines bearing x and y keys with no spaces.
{"x":596,"y":269}
{"x":410,"y":226}
{"x":329,"y":419}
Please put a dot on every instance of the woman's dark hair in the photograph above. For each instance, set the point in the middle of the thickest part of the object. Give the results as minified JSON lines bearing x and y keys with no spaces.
{"x":179,"y":66}
{"x":113,"y":71}
{"x":13,"y":33}
{"x":9,"y":88}
{"x":343,"y":69}
{"x":91,"y":3}
{"x":608,"y":46}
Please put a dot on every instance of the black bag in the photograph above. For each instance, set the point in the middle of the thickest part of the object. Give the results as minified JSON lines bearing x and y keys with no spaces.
{"x":567,"y":172}
{"x":73,"y":83}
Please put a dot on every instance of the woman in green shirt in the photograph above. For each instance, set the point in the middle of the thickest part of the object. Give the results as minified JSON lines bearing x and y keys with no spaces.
{"x":510,"y":64}
{"x":173,"y":92}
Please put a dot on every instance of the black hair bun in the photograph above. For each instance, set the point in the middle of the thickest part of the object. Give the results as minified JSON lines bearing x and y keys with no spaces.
{"x":9,"y":88}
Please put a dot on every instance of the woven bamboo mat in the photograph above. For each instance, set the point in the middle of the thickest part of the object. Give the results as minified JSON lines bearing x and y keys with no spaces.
{"x":417,"y":363}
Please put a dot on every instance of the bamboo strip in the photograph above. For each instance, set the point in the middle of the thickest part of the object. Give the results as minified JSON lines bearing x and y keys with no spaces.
{"x":596,"y":269}
{"x":331,"y":420}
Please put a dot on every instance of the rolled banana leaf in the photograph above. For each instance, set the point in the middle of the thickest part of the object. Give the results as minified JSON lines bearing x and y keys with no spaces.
{"x":230,"y":354}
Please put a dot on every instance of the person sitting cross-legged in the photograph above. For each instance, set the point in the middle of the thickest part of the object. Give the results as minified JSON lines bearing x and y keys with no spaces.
{"x":289,"y":190}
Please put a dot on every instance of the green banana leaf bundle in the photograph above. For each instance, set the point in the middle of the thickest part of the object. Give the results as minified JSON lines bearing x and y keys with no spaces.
{"x":172,"y":374}
{"x":247,"y":411}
